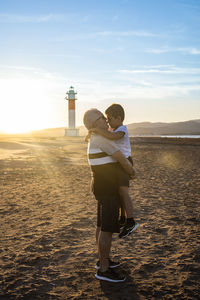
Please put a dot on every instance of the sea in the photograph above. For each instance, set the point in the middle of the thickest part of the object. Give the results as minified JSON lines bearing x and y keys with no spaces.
{"x":170,"y":136}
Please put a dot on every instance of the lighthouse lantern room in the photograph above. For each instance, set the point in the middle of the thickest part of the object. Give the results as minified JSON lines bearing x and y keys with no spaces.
{"x":71,"y":97}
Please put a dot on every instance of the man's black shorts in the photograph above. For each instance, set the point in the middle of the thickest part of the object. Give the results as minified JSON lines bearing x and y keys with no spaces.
{"x":108,"y":213}
{"x":106,"y":190}
{"x":123,"y":177}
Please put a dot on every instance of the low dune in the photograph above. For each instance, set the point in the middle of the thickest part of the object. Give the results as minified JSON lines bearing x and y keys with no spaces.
{"x":48,"y":219}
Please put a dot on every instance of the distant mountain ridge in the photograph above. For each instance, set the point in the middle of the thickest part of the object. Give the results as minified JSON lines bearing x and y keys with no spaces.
{"x":191,"y":127}
{"x":175,"y":128}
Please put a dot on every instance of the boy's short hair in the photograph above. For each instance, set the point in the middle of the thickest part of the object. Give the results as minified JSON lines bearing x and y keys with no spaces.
{"x":115,"y":110}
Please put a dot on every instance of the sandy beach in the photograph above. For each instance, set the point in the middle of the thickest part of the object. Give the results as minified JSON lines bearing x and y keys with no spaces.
{"x":48,"y":219}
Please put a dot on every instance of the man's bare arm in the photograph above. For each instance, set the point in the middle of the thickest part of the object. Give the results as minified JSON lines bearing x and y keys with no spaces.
{"x":126,"y":165}
{"x":108,"y":134}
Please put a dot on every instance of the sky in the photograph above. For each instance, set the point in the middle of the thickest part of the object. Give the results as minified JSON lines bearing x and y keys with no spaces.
{"x":142,"y":54}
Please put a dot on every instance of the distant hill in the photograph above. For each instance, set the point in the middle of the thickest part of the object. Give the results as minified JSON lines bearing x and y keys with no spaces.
{"x":144,"y":128}
{"x":175,"y":128}
{"x":148,"y":128}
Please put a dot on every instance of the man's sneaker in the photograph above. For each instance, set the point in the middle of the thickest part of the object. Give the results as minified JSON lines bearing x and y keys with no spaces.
{"x":128,"y":229}
{"x":112,"y":264}
{"x":110,"y":275}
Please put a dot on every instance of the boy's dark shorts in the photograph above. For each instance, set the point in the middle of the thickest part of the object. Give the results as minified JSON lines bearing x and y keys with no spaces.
{"x":123,"y":177}
{"x":108,"y":213}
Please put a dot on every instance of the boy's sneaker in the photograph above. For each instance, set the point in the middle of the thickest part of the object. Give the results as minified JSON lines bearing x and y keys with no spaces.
{"x":128,"y":229}
{"x":110,"y":275}
{"x":112,"y":264}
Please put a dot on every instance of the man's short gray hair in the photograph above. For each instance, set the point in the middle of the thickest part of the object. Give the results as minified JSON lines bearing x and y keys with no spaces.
{"x":90,"y":116}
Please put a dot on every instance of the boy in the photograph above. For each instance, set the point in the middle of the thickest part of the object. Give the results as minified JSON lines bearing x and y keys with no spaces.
{"x":115,"y":117}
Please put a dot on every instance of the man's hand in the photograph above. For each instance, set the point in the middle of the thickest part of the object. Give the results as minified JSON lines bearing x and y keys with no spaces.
{"x":133,"y":175}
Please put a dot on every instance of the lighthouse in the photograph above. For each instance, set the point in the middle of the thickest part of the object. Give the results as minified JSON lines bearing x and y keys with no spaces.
{"x":71,"y":97}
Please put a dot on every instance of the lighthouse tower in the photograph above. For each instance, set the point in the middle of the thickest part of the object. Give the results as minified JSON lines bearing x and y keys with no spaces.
{"x":71,"y":97}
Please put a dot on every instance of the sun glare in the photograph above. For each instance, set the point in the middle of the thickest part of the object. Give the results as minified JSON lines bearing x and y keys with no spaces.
{"x":26,"y":105}
{"x":15,"y":130}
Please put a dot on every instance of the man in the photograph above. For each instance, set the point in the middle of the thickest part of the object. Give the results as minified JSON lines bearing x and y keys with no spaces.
{"x":104,"y":158}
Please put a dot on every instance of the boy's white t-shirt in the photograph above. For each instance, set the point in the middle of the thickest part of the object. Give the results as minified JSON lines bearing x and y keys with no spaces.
{"x":124,"y":143}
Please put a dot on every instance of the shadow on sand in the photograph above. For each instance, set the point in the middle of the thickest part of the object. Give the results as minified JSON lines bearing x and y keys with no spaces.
{"x":124,"y":291}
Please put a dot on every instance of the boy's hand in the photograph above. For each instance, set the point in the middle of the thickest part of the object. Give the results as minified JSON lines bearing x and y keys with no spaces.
{"x":93,"y":130}
{"x":87,"y":138}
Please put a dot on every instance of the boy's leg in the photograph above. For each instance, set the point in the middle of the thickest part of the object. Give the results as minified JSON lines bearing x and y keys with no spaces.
{"x":130,"y":225}
{"x":127,"y":202}
{"x":122,"y":208}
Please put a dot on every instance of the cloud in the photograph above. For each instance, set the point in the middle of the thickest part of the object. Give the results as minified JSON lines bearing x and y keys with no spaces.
{"x":39,"y":94}
{"x":192,"y":50}
{"x":20,"y":68}
{"x":184,"y":50}
{"x":158,"y":66}
{"x":162,"y":70}
{"x":106,"y":51}
{"x":12,"y":18}
{"x":161,"y":81}
{"x":128,"y":33}
{"x":23,"y":72}
{"x":105,"y":34}
{"x":67,"y":56}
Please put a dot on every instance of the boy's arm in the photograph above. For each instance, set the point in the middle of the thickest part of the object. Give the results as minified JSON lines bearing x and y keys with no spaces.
{"x":108,"y":134}
{"x":126,"y":165}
